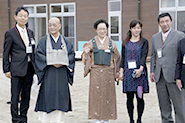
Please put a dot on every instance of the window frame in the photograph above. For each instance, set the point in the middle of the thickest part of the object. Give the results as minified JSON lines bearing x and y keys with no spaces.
{"x":175,"y":9}
{"x":36,"y":15}
{"x":65,"y":14}
{"x":115,"y":14}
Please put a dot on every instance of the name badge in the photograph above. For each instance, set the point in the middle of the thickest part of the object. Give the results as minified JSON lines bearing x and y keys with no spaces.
{"x":32,"y":41}
{"x":108,"y":51}
{"x":159,"y":53}
{"x":132,"y":64}
{"x":62,"y":46}
{"x":184,"y":59}
{"x":29,"y":49}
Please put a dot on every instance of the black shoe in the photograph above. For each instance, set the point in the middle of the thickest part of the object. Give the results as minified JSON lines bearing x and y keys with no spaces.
{"x":8,"y":102}
{"x":132,"y":121}
{"x":139,"y":121}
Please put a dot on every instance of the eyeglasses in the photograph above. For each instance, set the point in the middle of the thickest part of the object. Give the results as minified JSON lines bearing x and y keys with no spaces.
{"x":102,"y":29}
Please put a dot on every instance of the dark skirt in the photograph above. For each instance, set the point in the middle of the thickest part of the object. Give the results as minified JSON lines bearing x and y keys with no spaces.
{"x":130,"y":84}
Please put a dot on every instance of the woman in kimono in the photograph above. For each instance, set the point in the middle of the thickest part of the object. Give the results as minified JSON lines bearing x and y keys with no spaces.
{"x":133,"y":69}
{"x":101,"y":59}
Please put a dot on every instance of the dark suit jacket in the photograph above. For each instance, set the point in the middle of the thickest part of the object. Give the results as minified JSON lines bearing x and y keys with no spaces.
{"x":15,"y":58}
{"x":180,"y":67}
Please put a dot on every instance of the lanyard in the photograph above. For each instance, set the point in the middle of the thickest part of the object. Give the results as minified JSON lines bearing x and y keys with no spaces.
{"x":132,"y":56}
{"x":162,"y":44}
{"x":162,"y":41}
{"x":132,"y":51}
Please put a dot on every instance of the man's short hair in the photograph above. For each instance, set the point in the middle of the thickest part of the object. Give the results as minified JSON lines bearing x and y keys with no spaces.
{"x":164,"y":15}
{"x":19,"y":9}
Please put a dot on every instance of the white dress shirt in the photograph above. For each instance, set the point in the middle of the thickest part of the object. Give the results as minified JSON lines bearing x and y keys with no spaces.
{"x":20,"y":29}
{"x":164,"y":35}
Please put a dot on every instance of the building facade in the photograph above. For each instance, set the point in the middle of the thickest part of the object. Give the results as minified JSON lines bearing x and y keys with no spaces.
{"x":78,"y":16}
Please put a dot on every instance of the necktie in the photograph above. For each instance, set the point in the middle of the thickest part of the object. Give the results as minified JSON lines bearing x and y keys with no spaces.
{"x":164,"y":38}
{"x":26,"y":42}
{"x":24,"y":38}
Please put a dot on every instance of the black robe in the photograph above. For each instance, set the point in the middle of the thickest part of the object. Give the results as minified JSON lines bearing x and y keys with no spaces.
{"x":54,"y":93}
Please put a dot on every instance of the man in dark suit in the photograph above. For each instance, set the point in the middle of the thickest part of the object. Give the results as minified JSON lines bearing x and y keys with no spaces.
{"x":18,"y":64}
{"x":180,"y":65}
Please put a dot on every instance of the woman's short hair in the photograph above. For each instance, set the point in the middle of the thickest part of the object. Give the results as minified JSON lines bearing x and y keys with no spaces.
{"x":100,"y":21}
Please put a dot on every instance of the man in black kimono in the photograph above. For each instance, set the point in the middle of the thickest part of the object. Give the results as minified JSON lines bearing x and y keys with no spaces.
{"x":55,"y":61}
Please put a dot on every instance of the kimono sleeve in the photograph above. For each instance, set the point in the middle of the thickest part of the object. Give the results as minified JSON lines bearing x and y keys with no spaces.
{"x":40,"y":60}
{"x":88,"y":64}
{"x":71,"y":56}
{"x":116,"y":57}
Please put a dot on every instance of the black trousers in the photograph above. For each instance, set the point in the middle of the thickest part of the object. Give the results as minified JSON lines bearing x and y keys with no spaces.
{"x":130,"y":105}
{"x":20,"y":90}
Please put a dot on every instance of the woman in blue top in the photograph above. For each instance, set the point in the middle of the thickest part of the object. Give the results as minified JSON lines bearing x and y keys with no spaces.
{"x":133,"y":69}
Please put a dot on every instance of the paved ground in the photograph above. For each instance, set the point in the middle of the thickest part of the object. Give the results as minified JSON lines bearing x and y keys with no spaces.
{"x":79,"y":95}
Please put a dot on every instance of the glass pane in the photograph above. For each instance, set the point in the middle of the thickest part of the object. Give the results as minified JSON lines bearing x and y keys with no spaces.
{"x":61,"y":24}
{"x":114,"y":6}
{"x":41,"y":9}
{"x":181,"y":21}
{"x":41,"y":27}
{"x":173,"y":19}
{"x":115,"y":38}
{"x":68,"y":8}
{"x":167,"y":3}
{"x":30,"y":10}
{"x":114,"y":25}
{"x":68,"y":27}
{"x":181,"y":2}
{"x":31,"y":24}
{"x":56,"y":8}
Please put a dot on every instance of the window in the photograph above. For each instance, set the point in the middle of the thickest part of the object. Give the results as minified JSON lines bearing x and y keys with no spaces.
{"x":181,"y":2}
{"x":176,"y":8}
{"x":114,"y":6}
{"x":114,"y":17}
{"x":66,"y":13}
{"x":167,"y":3}
{"x":38,"y":21}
